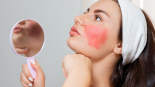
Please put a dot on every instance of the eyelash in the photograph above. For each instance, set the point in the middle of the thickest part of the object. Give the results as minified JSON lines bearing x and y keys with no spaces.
{"x":98,"y":16}
{"x":85,"y":12}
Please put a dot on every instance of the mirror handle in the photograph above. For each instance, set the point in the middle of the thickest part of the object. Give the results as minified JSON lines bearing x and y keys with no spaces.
{"x":32,"y":71}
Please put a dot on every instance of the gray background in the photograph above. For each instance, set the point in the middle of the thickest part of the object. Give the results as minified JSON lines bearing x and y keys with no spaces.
{"x":56,"y":17}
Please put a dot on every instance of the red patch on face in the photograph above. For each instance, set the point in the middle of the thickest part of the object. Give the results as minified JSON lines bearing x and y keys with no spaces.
{"x":95,"y":35}
{"x":34,"y":29}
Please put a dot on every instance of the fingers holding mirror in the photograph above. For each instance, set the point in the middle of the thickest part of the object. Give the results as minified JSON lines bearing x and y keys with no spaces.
{"x":27,"y":38}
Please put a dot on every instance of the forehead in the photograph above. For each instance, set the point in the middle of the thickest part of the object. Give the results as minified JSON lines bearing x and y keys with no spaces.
{"x":105,"y":4}
{"x":110,"y":6}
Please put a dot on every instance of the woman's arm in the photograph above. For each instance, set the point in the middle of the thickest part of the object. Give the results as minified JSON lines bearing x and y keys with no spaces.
{"x":78,"y":79}
{"x":77,"y":70}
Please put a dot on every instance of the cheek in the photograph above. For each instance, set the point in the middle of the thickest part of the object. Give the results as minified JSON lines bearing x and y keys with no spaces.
{"x":34,"y":30}
{"x":96,"y":36}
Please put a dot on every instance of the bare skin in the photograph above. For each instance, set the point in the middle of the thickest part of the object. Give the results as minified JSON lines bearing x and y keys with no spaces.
{"x":91,"y":67}
{"x":77,"y":66}
{"x":104,"y":58}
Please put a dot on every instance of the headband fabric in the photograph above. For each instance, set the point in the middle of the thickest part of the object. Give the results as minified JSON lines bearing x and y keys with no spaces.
{"x":134,"y":31}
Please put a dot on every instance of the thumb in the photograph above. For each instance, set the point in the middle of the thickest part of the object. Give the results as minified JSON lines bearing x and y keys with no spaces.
{"x":37,"y":68}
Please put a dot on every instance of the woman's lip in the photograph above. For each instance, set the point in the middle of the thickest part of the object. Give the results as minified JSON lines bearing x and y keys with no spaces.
{"x":17,"y":29}
{"x":74,"y":31}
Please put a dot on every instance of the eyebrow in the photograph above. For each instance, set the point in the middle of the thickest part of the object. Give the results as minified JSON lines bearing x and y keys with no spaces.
{"x":99,"y":11}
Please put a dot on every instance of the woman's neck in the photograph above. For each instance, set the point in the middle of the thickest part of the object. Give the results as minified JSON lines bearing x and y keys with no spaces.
{"x":35,"y":47}
{"x":103,"y":69}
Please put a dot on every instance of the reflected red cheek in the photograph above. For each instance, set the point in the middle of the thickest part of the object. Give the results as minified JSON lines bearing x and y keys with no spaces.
{"x":96,"y":36}
{"x":34,"y":29}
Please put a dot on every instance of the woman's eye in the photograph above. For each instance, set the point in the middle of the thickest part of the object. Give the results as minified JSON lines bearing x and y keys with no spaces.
{"x":98,"y":18}
{"x":85,"y":12}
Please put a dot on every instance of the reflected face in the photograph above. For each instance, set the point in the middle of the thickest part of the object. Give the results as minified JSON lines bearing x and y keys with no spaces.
{"x":95,"y":33}
{"x":27,"y":37}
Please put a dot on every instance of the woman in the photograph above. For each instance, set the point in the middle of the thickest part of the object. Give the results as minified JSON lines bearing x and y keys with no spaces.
{"x":101,"y":58}
{"x":27,"y":38}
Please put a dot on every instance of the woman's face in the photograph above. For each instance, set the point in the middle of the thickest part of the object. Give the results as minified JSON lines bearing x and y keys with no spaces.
{"x":27,"y":34}
{"x":95,"y":33}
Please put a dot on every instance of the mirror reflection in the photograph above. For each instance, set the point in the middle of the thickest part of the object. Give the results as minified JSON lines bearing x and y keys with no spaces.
{"x":27,"y":38}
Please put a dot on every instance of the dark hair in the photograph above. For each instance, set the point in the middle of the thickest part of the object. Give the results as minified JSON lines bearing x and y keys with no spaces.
{"x":140,"y":73}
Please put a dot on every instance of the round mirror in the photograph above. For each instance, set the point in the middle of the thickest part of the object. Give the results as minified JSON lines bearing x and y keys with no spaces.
{"x":27,"y":40}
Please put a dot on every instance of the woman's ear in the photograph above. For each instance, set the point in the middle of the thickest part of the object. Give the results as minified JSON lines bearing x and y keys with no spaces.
{"x":118,"y":48}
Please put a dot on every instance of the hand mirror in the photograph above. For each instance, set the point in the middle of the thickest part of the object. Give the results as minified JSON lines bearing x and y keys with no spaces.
{"x":27,"y":39}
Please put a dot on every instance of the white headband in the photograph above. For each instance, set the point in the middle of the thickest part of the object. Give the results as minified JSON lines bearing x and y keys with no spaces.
{"x":134,"y":31}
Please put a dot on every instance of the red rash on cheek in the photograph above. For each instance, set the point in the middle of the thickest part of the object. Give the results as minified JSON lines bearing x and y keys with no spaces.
{"x":95,"y":35}
{"x":34,"y":29}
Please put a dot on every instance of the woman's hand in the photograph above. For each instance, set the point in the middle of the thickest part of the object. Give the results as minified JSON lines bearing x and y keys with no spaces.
{"x":26,"y":78}
{"x":78,"y":70}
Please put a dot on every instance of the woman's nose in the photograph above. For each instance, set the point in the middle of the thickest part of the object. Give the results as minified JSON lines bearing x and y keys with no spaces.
{"x":80,"y":20}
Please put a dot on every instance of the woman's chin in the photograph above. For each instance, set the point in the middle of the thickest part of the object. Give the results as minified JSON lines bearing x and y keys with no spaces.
{"x":76,"y":46}
{"x":82,"y":48}
{"x":78,"y":49}
{"x":18,"y":39}
{"x":72,"y":45}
